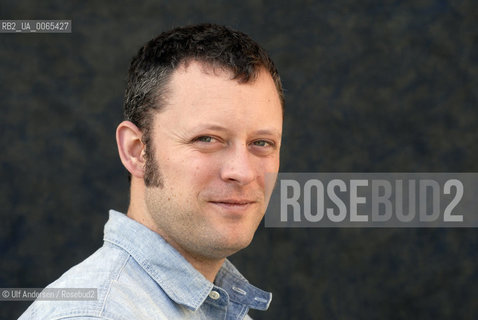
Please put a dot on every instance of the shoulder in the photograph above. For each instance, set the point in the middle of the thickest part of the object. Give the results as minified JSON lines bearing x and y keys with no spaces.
{"x":124,"y":291}
{"x":93,"y":275}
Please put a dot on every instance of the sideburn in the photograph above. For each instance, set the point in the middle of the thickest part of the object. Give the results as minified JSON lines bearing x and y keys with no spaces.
{"x":152,"y":173}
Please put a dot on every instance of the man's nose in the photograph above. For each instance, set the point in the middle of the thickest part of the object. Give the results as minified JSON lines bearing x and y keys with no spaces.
{"x":238,"y":165}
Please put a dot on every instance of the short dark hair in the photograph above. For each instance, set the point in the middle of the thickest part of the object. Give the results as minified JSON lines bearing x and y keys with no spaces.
{"x":215,"y":45}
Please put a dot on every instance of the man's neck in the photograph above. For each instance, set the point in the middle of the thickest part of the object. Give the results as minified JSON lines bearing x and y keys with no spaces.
{"x":207,"y":267}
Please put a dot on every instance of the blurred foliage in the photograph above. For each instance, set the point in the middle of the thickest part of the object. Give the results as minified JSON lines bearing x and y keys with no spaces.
{"x":370,"y":86}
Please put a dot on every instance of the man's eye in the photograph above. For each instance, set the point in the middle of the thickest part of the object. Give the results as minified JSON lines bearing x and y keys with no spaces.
{"x":262,"y":143}
{"x":204,"y":139}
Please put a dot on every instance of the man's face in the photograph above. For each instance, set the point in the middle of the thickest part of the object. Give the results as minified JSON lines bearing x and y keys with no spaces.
{"x":213,"y":143}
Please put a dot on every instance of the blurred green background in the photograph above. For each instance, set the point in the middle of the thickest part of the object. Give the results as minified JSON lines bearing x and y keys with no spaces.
{"x":371,"y":86}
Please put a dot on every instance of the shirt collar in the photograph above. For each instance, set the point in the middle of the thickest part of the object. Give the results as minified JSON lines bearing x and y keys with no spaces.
{"x":177,"y":277}
{"x":240,"y":290}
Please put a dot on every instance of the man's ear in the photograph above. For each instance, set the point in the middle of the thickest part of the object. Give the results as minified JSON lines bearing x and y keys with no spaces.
{"x":131,"y":148}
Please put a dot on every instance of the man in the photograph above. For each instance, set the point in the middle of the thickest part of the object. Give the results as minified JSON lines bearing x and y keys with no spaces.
{"x":203,"y":109}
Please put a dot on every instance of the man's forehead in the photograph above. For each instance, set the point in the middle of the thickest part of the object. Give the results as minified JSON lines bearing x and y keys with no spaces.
{"x":193,"y":75}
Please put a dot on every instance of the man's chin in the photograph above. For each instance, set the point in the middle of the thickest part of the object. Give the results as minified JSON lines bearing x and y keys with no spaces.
{"x":227,"y":247}
{"x":232,"y":247}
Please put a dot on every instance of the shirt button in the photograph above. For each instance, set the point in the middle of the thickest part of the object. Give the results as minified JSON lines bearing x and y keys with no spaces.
{"x":214,"y":295}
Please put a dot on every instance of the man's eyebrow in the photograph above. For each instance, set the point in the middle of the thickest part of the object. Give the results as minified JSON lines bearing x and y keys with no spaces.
{"x":269,"y":132}
{"x":212,"y":127}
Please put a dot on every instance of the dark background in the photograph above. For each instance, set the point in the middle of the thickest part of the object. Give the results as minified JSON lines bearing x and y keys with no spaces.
{"x":371,"y":86}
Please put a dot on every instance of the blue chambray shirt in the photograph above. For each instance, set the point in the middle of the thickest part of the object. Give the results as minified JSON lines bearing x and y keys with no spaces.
{"x":139,"y":276}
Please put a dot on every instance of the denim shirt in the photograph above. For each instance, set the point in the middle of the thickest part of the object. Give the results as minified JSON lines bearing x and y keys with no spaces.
{"x":138,"y":275}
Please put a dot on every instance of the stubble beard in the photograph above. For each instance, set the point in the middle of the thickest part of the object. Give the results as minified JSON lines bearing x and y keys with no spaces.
{"x":166,"y":219}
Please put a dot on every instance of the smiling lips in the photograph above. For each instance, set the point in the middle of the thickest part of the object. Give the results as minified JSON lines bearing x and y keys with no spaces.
{"x":233,"y":204}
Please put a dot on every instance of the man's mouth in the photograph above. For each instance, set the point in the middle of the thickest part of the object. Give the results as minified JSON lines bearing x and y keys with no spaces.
{"x":233,"y":203}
